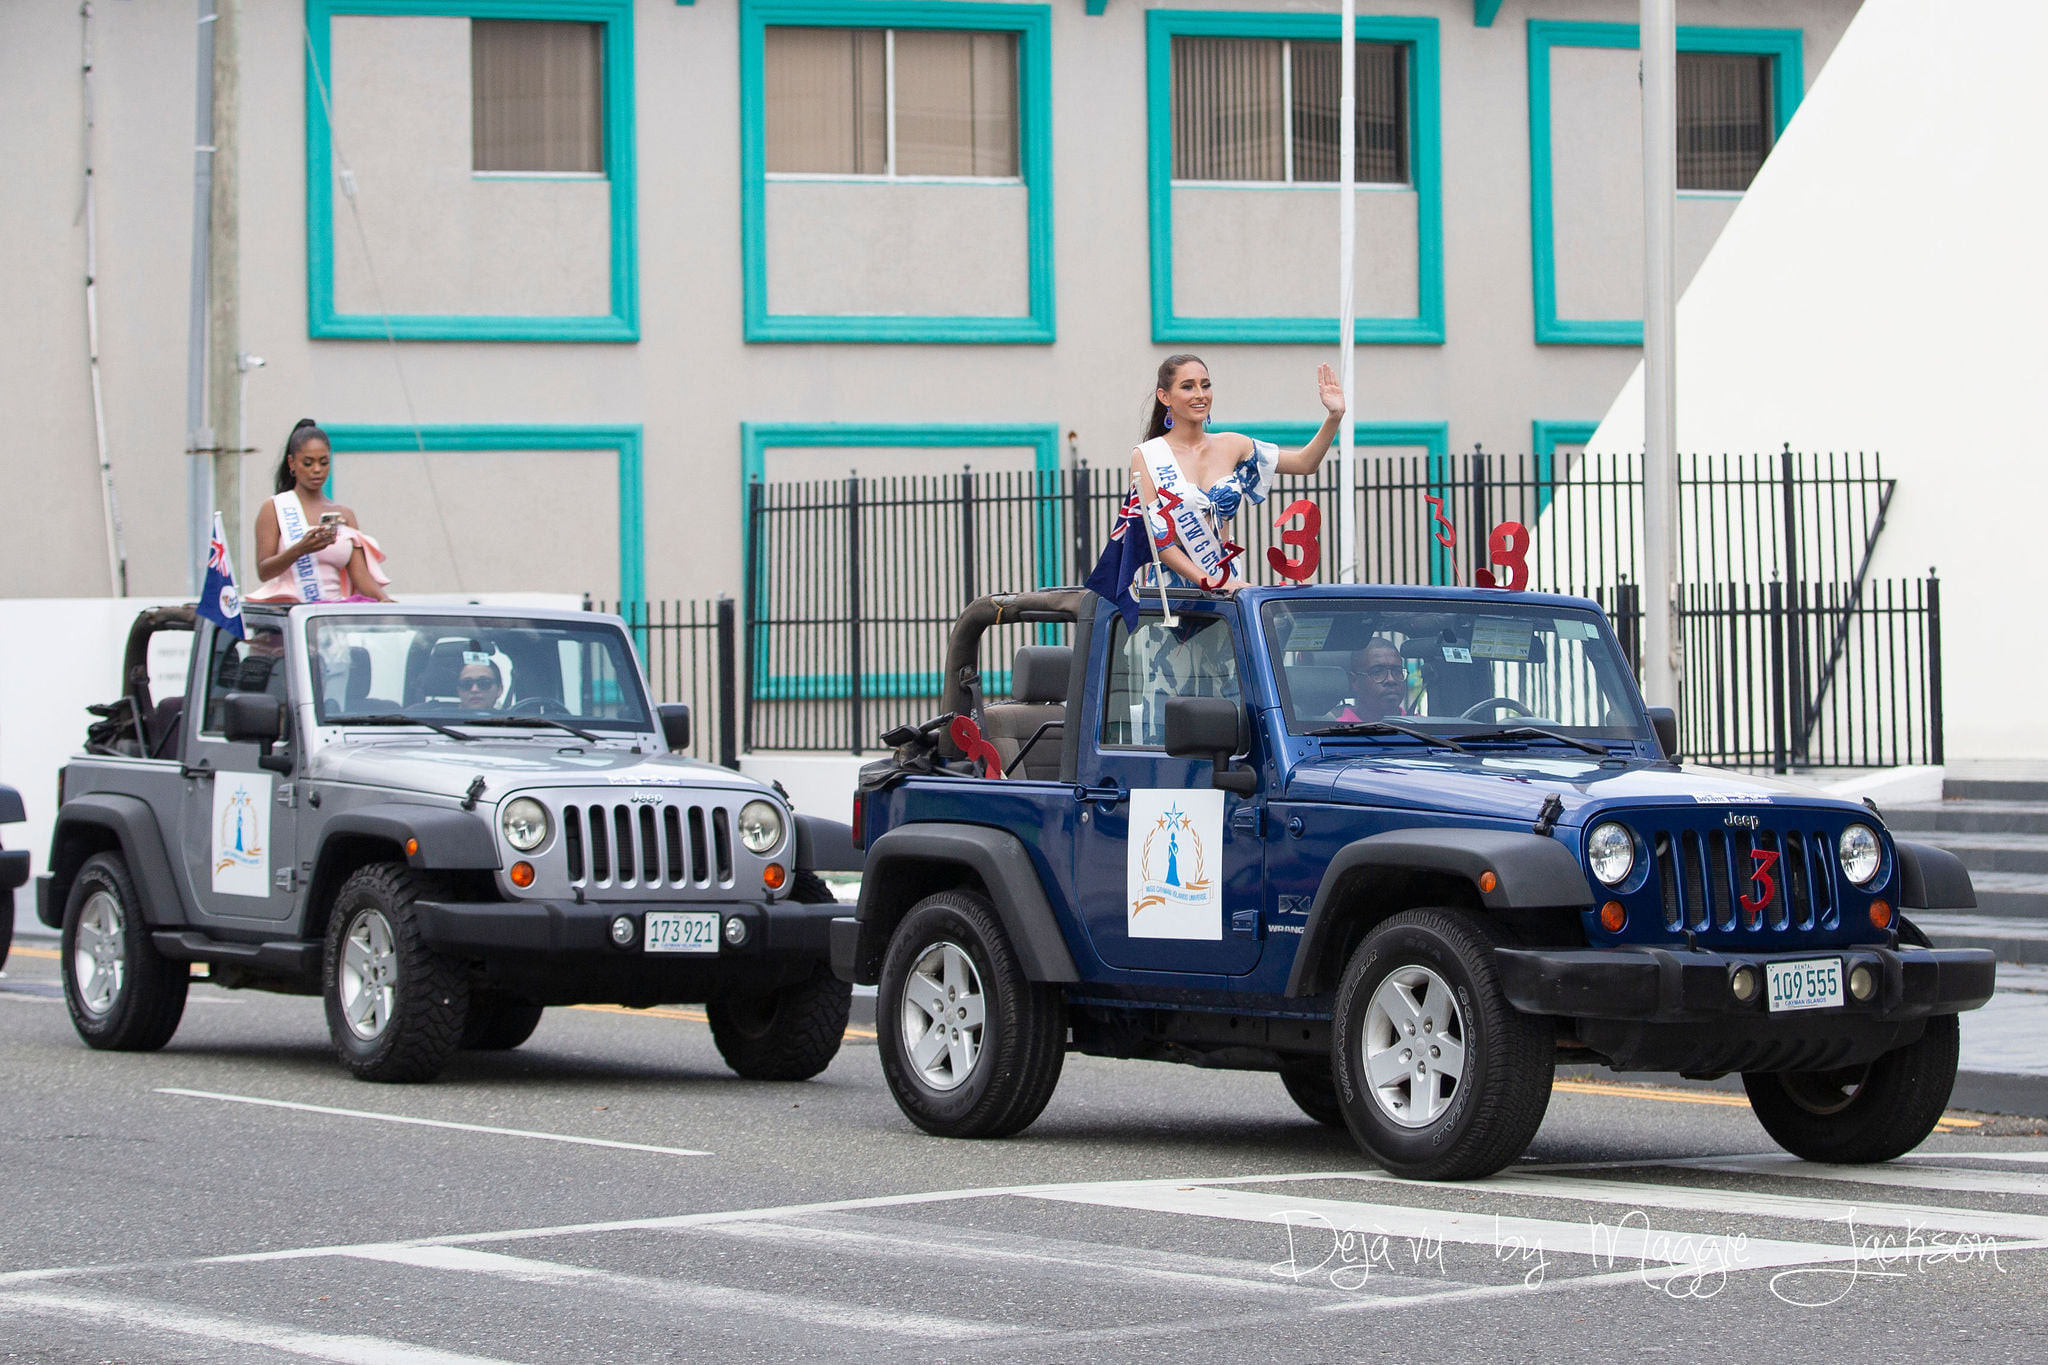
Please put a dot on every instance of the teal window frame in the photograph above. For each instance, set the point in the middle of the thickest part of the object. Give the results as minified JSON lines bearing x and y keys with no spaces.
{"x":1033,"y":26}
{"x":622,"y":323}
{"x":1433,"y":437}
{"x":1425,"y":170}
{"x":758,"y":438}
{"x":623,"y":441}
{"x":1544,"y":439}
{"x":1784,"y":46}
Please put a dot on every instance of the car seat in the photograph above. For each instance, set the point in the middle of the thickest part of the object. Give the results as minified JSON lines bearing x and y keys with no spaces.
{"x":1038,"y":702}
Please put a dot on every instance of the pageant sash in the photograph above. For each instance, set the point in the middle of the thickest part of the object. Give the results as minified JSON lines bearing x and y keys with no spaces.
{"x":291,"y":524}
{"x":1212,"y":555}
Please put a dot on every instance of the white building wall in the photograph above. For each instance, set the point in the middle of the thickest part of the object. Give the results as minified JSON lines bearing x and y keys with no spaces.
{"x":691,"y":379}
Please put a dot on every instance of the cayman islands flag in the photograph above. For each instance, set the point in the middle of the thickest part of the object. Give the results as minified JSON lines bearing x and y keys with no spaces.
{"x":218,"y":600}
{"x":1124,"y":557}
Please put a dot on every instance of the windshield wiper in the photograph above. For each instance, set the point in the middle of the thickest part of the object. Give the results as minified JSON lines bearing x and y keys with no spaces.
{"x":1387,"y":727}
{"x":502,"y":721}
{"x":1538,"y":732}
{"x":394,"y":718}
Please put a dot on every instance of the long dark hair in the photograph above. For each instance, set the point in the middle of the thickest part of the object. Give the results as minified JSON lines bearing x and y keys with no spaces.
{"x":1155,"y":424}
{"x":305,"y":432}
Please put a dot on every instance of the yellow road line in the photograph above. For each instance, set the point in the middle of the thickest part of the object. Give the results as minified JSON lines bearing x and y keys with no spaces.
{"x":693,"y":1016}
{"x":51,"y":953}
{"x":1945,"y":1124}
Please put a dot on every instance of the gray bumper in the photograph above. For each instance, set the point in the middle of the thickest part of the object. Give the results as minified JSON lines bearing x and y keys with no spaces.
{"x":773,"y":929}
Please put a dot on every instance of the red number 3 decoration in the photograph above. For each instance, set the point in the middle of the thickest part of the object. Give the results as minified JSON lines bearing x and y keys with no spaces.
{"x":1305,"y":538}
{"x":1507,"y":547}
{"x":967,"y":735}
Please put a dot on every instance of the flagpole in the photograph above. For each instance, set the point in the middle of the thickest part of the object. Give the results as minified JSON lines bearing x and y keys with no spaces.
{"x":1152,"y":553}
{"x":1349,"y":571}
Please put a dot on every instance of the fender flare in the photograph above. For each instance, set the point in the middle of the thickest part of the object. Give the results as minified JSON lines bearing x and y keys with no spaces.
{"x":1933,"y":878}
{"x":449,"y":840}
{"x":141,"y":841}
{"x":1531,"y":871}
{"x":825,"y":845}
{"x":901,"y":868}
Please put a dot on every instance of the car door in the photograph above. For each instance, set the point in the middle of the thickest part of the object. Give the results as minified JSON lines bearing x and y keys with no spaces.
{"x":238,"y":822}
{"x":1168,"y":870}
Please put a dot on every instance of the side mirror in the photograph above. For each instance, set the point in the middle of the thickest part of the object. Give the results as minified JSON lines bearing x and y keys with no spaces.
{"x":256,"y":718}
{"x":1664,"y":721}
{"x":675,"y":725}
{"x":1210,"y":727}
{"x":252,"y":717}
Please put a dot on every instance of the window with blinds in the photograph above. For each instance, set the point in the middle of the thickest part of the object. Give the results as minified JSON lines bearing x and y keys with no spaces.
{"x":536,"y":96}
{"x":890,"y":102}
{"x":1725,"y":120}
{"x":1262,"y":109}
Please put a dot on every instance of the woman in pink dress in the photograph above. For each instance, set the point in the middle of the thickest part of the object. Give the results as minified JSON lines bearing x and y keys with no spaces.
{"x":309,"y":549}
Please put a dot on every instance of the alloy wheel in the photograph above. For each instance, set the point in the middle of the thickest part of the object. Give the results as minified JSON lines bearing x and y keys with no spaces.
{"x":97,"y":958}
{"x":1414,"y":1046}
{"x":369,"y":971}
{"x":944,"y":1014}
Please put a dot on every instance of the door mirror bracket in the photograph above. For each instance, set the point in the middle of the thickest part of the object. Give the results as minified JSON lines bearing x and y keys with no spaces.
{"x":1213,"y":728}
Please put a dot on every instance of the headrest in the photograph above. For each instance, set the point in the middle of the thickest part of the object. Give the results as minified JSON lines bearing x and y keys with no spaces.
{"x":1040,"y":673}
{"x":1317,"y":688}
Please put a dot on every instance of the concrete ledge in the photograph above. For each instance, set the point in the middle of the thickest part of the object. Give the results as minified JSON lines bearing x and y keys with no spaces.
{"x":1891,"y":786}
{"x":818,"y":784}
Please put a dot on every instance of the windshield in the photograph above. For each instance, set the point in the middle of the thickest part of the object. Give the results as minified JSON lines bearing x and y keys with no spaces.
{"x":481,"y":669}
{"x":1459,"y":669}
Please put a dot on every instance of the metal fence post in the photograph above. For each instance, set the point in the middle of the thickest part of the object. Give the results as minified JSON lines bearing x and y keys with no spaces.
{"x":1084,"y":541}
{"x":967,"y":545}
{"x":853,"y":604}
{"x":728,"y":685}
{"x":750,"y":588}
{"x":1778,"y":698}
{"x":1937,"y":744}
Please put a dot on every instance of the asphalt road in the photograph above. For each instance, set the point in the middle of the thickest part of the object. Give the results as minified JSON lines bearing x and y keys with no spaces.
{"x":609,"y":1192}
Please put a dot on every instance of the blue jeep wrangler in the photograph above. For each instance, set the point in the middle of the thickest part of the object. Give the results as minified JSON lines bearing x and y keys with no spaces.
{"x":1411,"y":848}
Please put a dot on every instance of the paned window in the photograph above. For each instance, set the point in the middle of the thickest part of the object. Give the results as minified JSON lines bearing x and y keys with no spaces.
{"x":1725,"y":120}
{"x":536,"y":96}
{"x":890,"y":102}
{"x":1266,"y":110}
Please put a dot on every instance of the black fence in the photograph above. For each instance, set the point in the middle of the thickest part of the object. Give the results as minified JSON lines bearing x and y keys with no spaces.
{"x":1794,"y":655}
{"x":690,"y":652}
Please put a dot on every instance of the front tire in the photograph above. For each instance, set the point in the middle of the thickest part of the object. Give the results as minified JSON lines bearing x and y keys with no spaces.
{"x":1861,"y":1114}
{"x":122,"y":994}
{"x":789,"y":1034}
{"x":396,"y":1009}
{"x":1438,"y":1076}
{"x":970,"y":1048}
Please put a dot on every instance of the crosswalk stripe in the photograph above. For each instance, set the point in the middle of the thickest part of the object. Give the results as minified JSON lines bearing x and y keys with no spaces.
{"x":2025,"y":1158}
{"x":1695,"y":1199}
{"x":144,"y":1316}
{"x":1623,"y":1241}
{"x":710,"y":1298}
{"x":1935,"y":1179}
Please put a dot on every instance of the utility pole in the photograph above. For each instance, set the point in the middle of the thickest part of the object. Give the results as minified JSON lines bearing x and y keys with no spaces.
{"x":1349,"y":567}
{"x":223,"y":330}
{"x":198,"y":438}
{"x":1661,"y":661}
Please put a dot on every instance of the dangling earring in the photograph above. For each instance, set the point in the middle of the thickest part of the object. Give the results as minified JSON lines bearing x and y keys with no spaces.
{"x":1169,"y":423}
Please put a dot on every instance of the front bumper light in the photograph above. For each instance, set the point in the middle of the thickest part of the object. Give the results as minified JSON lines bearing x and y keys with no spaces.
{"x":1611,"y":852}
{"x":760,"y":826}
{"x":1859,"y":852}
{"x":525,"y":823}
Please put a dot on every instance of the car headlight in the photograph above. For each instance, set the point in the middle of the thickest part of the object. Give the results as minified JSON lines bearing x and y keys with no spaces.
{"x":1860,"y":853}
{"x":760,"y":826}
{"x":1611,"y":850}
{"x":525,"y":822}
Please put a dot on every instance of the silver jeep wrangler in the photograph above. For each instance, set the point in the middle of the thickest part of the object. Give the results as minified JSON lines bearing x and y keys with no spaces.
{"x":441,"y":820}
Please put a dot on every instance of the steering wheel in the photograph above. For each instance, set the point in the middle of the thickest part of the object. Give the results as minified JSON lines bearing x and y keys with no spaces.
{"x":538,"y":706}
{"x":1493,"y":704}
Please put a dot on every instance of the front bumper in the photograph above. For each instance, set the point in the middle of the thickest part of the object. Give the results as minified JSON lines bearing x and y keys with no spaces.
{"x":774,"y":929}
{"x":1662,"y":1009}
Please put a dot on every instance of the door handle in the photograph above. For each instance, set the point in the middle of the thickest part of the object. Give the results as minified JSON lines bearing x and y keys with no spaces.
{"x":200,"y":769}
{"x":1105,"y":796}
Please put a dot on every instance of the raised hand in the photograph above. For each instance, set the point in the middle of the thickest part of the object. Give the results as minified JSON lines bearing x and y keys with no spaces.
{"x":1329,"y":390}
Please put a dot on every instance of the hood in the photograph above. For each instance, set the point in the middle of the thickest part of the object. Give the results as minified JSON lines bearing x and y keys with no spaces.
{"x":1514,"y":785}
{"x":443,"y":767}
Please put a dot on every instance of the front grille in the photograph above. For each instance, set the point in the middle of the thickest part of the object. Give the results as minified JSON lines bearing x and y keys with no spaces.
{"x":641,"y":845}
{"x":1703,"y":876}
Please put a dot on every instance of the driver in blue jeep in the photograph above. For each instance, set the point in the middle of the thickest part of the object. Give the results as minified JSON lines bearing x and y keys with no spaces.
{"x":1409,"y":848}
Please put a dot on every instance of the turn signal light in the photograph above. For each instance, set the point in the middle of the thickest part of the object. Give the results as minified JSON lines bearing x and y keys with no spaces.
{"x":1613,"y":916}
{"x":412,"y":848}
{"x":1487,"y":882}
{"x":1862,"y":982}
{"x":774,"y":875}
{"x":1742,"y":982}
{"x":522,"y":874}
{"x":1880,"y":915}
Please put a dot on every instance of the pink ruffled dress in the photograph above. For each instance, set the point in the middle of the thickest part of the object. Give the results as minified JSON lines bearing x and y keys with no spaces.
{"x":330,"y":568}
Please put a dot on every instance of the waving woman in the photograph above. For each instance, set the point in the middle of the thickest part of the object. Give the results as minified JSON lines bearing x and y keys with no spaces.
{"x":309,"y":549}
{"x":1195,"y":478}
